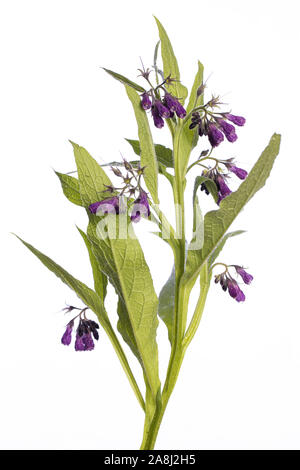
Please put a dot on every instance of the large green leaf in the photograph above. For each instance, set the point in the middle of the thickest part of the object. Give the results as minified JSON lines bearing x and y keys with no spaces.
{"x":164,"y":154}
{"x":125,"y":80}
{"x":100,"y":280}
{"x":148,"y":155}
{"x":170,"y":64}
{"x":87,"y":295}
{"x":216,"y":223}
{"x":166,"y":306}
{"x":70,"y":187}
{"x":122,"y":260}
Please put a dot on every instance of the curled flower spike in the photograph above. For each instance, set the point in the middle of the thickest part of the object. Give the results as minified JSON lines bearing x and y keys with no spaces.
{"x":141,"y":207}
{"x":106,"y":206}
{"x":214,"y":124}
{"x":85,"y":330}
{"x":228,"y":283}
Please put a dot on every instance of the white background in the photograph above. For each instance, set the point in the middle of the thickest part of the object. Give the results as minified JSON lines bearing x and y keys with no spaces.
{"x":240,"y":383}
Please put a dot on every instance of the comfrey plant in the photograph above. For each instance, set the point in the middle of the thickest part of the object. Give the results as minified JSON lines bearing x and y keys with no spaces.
{"x":113,"y":208}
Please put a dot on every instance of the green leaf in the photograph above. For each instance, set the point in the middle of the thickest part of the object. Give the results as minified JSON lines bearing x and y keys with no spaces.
{"x":87,"y":295}
{"x":209,"y":183}
{"x":70,"y":187}
{"x":92,"y":179}
{"x":220,"y":246}
{"x":166,"y":306}
{"x":164,"y":154}
{"x":122,"y":260}
{"x":198,"y":81}
{"x":170,"y":64}
{"x":125,"y":80}
{"x":216,"y":223}
{"x":100,"y":280}
{"x":189,"y":137}
{"x":148,"y":155}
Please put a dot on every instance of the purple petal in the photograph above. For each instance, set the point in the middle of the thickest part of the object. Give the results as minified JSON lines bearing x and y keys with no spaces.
{"x":240,"y":296}
{"x":228,"y":130}
{"x":158,"y":121}
{"x":146,"y":102}
{"x":162,"y":110}
{"x":239,"y":172}
{"x":107,"y":206}
{"x":237,"y":120}
{"x":67,"y":336}
{"x":233,"y":288}
{"x":215,"y":136}
{"x":247,"y":278}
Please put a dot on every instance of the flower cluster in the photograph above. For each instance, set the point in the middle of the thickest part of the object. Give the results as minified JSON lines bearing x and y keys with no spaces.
{"x":215,"y":125}
{"x":161,"y":107}
{"x":228,"y":283}
{"x":220,"y":179}
{"x":131,"y":186}
{"x":86,"y":330}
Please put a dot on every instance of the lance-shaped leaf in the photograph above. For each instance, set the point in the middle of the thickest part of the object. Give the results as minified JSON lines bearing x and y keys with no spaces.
{"x":166,"y":306}
{"x":125,"y":80}
{"x":164,"y":154}
{"x":189,"y":137}
{"x":216,"y":223}
{"x":170,"y":64}
{"x":87,"y":295}
{"x":148,"y":155}
{"x":122,"y":260}
{"x":70,"y":187}
{"x":100,"y":280}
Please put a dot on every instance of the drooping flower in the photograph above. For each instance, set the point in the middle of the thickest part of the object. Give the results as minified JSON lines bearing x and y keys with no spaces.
{"x":215,"y":136}
{"x":228,"y":283}
{"x":84,"y":340}
{"x":228,"y":129}
{"x":84,"y":332}
{"x":106,"y":206}
{"x":146,"y":102}
{"x":141,"y":207}
{"x":162,"y":110}
{"x":223,"y":189}
{"x":67,"y":336}
{"x":235,"y":291}
{"x":247,"y":278}
{"x":237,"y":120}
{"x":173,"y":104}
{"x":158,"y":120}
{"x":239,"y":172}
